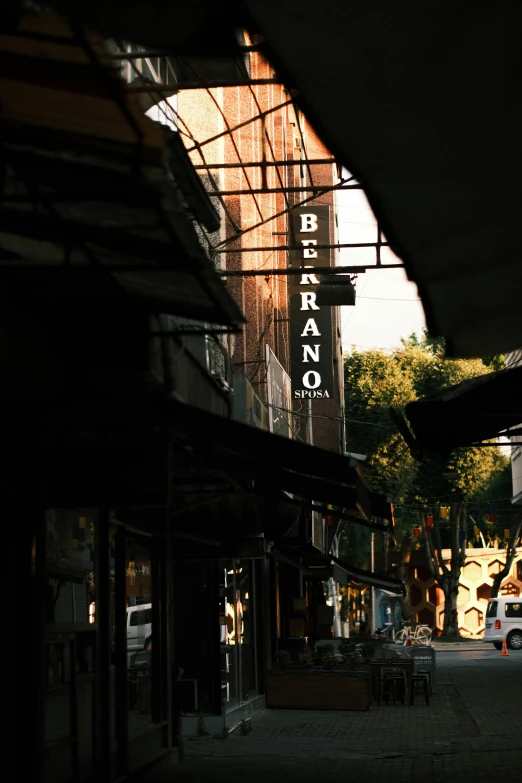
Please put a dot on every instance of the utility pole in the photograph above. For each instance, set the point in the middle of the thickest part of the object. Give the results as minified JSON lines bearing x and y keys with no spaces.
{"x":372,"y":588}
{"x":333,"y":592}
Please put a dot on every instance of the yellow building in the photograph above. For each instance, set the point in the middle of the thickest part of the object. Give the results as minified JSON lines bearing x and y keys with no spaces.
{"x":475,"y":585}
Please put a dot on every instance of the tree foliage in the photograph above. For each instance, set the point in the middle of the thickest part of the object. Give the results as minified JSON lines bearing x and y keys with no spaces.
{"x":376,"y":381}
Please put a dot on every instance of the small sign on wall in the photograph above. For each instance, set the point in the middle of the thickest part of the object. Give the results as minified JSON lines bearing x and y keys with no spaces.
{"x":279,"y":396}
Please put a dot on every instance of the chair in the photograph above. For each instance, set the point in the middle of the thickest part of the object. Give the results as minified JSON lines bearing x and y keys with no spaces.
{"x":421,"y":681}
{"x":392,"y":682}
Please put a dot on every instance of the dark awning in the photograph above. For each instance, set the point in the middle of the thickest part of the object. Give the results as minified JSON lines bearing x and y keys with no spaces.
{"x":315,"y":565}
{"x":97,"y":199}
{"x":360,"y":576}
{"x":475,"y":410}
{"x":420,"y":104}
{"x":268,"y":460}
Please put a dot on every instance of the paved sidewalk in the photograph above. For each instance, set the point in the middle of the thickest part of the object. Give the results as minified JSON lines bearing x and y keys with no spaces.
{"x":465,"y":644}
{"x":471,"y":731}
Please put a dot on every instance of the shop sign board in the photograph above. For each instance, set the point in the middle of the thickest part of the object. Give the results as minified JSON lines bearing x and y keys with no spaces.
{"x":311,"y":340}
{"x":424,"y":660}
{"x":279,"y":396}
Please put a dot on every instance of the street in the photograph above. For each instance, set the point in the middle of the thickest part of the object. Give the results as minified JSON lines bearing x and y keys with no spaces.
{"x":471,"y":731}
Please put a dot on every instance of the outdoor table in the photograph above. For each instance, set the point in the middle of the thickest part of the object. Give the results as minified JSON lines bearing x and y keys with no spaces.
{"x":397,"y":663}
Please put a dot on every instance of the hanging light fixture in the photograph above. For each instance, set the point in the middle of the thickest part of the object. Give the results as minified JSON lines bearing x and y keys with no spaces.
{"x":335,"y":290}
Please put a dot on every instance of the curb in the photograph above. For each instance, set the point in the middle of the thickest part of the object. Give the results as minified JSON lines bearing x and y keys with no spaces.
{"x":463,"y":647}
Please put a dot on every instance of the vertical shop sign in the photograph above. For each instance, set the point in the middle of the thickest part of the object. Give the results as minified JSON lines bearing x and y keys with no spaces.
{"x":311,"y":341}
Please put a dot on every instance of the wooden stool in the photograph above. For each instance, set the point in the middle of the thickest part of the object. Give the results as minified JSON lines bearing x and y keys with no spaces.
{"x":420,"y":681}
{"x":394,"y":679}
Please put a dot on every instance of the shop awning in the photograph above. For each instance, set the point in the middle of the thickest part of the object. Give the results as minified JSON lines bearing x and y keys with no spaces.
{"x":160,"y":452}
{"x":97,"y":200}
{"x":475,"y":410}
{"x":268,"y":460}
{"x":315,"y":565}
{"x":420,"y":104}
{"x":360,"y":576}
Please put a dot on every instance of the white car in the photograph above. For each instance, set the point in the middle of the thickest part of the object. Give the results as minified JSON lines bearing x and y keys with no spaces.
{"x":504,"y":621}
{"x":139,"y":627}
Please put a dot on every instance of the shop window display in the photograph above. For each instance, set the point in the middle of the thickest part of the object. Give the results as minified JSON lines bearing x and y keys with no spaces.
{"x":238,"y":632}
{"x":70,"y":632}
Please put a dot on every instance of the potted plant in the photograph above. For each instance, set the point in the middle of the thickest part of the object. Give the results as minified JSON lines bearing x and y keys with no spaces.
{"x":306,"y":661}
{"x":283,"y":659}
{"x":319,"y":681}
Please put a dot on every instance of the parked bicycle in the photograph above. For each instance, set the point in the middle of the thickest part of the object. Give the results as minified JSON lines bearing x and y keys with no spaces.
{"x":421,"y":634}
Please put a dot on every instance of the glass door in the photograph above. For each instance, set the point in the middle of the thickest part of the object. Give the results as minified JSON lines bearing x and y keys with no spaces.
{"x":238,"y":632}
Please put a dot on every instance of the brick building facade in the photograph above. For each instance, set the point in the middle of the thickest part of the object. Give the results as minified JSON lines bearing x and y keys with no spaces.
{"x":252,"y":219}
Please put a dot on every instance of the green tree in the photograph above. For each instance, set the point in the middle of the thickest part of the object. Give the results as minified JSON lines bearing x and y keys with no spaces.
{"x":375,"y":382}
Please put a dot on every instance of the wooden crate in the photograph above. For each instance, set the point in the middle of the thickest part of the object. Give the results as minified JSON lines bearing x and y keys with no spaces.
{"x":319,"y":690}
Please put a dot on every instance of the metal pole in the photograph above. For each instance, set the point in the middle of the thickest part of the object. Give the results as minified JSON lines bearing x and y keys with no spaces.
{"x":317,"y":270}
{"x":198,"y":84}
{"x":120,"y":653}
{"x":271,"y":248}
{"x":372,"y":588}
{"x":290,"y":189}
{"x":265,"y":163}
{"x":333,"y":583}
{"x":102,"y":761}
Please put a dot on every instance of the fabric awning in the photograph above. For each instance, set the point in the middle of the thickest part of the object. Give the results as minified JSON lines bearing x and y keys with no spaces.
{"x":420,"y":104}
{"x":315,"y":565}
{"x":360,"y":576}
{"x":269,"y":460}
{"x":97,"y":198}
{"x":475,"y":410}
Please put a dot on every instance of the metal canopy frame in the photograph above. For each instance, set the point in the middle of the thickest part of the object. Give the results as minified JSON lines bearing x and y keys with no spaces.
{"x":160,"y":92}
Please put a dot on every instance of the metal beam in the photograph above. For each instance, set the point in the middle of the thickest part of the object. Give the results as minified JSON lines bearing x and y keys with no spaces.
{"x":296,"y":248}
{"x":147,"y":54}
{"x":496,"y":445}
{"x":198,"y":84}
{"x":317,"y":270}
{"x":264,"y":163}
{"x":300,"y":189}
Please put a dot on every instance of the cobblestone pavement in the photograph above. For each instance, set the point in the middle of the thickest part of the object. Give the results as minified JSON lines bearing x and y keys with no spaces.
{"x":471,"y":731}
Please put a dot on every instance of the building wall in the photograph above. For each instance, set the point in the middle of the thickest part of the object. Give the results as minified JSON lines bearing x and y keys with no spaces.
{"x":264,"y":300}
{"x":514,"y":359}
{"x":476,"y":581}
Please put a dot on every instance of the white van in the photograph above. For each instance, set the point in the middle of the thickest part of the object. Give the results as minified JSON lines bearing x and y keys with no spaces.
{"x":139,"y":626}
{"x":504,"y":621}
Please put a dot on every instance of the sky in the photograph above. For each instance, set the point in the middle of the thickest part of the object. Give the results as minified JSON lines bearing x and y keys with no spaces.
{"x":387,"y":304}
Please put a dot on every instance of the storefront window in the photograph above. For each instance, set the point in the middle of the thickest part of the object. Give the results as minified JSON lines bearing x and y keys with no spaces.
{"x":140,"y":637}
{"x":229,"y":634}
{"x":245,"y":603}
{"x":70,"y":630}
{"x":238,"y":632}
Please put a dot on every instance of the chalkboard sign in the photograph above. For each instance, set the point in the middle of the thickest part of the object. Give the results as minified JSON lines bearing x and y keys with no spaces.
{"x":424,"y":660}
